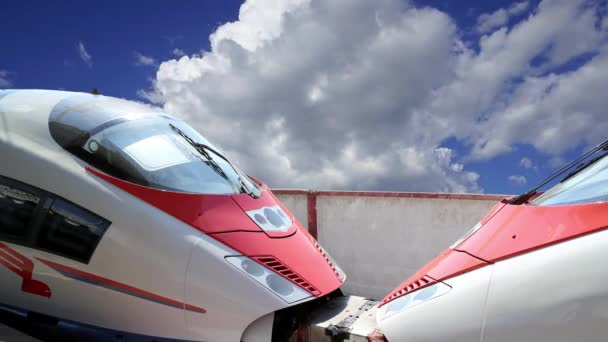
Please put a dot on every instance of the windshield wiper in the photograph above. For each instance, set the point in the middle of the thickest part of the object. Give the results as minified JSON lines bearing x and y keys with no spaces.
{"x":204,"y":150}
{"x":582,"y":166}
{"x":577,"y":162}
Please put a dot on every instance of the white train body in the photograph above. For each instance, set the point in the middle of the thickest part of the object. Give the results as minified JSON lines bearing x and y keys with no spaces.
{"x":100,"y":255}
{"x":531,"y":270}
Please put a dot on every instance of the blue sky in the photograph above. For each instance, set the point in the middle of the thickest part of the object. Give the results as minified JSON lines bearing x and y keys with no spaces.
{"x":119,"y":47}
{"x":112,"y":32}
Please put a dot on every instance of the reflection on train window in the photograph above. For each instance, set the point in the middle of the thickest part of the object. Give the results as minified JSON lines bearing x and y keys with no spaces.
{"x":71,"y":231}
{"x":34,"y":218}
{"x":17,"y":208}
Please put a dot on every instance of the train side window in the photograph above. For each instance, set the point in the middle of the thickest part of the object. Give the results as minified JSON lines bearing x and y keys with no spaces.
{"x":17,"y":209}
{"x":71,"y":231}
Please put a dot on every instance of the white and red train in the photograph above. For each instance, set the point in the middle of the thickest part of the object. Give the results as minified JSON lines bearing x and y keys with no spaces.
{"x":531,"y":270}
{"x":117,"y":216}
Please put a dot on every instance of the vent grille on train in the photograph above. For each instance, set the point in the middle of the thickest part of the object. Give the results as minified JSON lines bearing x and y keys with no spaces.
{"x":411,"y":286}
{"x":277,"y":266}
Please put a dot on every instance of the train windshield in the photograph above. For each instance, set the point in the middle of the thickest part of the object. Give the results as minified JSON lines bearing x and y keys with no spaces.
{"x":138,"y":144}
{"x":589,"y":185}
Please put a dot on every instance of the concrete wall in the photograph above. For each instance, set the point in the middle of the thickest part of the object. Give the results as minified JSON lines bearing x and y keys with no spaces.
{"x":297,"y":204}
{"x":380,"y":239}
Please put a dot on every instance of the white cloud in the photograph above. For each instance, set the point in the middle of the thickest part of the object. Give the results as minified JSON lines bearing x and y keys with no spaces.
{"x":328,"y":112}
{"x":359,"y":94}
{"x":517,"y":179}
{"x":457,"y":167}
{"x":178,"y":52}
{"x":486,"y":22}
{"x":84,"y":54}
{"x":518,"y":8}
{"x":143,"y":60}
{"x":5,"y":81}
{"x":508,"y":93}
{"x":526,"y":163}
{"x":489,"y":21}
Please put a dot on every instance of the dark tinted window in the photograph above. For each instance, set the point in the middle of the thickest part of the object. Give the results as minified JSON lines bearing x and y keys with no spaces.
{"x":71,"y":231}
{"x":17,"y":208}
{"x":35,"y":218}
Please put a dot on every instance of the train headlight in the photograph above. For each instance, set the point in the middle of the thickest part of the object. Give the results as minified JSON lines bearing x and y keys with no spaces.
{"x":271,"y":219}
{"x":280,"y":286}
{"x":252,"y":268}
{"x":410,"y":300}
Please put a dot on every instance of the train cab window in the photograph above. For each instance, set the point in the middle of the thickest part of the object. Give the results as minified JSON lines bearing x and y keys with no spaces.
{"x":590,"y":185}
{"x":142,"y":145}
{"x":70,"y":231}
{"x":17,"y":208}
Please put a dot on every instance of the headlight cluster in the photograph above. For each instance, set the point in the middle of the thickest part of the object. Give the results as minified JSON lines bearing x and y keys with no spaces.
{"x":410,"y":300}
{"x":282,"y":287}
{"x":271,"y":219}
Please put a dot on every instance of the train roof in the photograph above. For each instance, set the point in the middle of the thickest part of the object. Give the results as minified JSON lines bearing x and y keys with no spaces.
{"x":29,"y":113}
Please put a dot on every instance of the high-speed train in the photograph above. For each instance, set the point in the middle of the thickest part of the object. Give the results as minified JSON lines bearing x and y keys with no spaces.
{"x":534,"y":269}
{"x":117,"y":216}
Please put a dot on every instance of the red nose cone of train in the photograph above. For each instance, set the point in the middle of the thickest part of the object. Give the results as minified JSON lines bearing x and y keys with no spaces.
{"x":291,"y":252}
{"x":507,"y":231}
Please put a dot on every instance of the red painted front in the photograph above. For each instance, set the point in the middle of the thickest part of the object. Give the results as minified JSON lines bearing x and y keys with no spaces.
{"x":223,"y":217}
{"x":448,"y":264}
{"x":298,"y":252}
{"x":267,"y":199}
{"x":207,"y":213}
{"x":518,"y":229}
{"x":507,"y":231}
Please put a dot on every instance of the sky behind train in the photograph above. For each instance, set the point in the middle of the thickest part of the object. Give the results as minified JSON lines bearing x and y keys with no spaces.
{"x":456,"y":96}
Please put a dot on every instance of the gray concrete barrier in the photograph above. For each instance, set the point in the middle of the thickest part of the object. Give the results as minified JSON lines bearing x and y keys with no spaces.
{"x":381,"y":238}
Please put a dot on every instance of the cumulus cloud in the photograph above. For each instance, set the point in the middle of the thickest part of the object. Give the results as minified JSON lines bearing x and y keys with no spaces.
{"x":84,"y":54}
{"x":518,"y":8}
{"x":510,"y":92}
{"x":356,"y":94}
{"x":178,"y":52}
{"x":526,"y":163}
{"x":489,"y":21}
{"x":143,"y":60}
{"x":5,"y":81}
{"x":517,"y":180}
{"x":319,"y":93}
